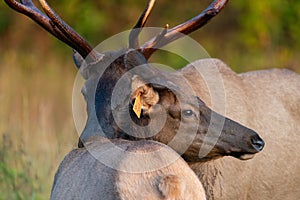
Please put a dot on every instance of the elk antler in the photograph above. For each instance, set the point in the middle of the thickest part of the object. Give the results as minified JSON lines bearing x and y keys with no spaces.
{"x":52,"y":23}
{"x":133,"y":37}
{"x":167,"y":36}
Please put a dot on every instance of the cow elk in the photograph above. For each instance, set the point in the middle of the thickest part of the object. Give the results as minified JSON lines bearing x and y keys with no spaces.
{"x":254,"y":99}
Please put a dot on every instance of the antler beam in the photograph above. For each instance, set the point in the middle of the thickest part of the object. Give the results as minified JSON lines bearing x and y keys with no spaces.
{"x":185,"y":28}
{"x":52,"y":23}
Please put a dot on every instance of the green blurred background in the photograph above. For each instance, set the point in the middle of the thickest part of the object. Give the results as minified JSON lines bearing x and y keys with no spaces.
{"x":37,"y":71}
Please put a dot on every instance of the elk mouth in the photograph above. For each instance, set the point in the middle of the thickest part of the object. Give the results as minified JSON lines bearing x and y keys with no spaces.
{"x":242,"y":156}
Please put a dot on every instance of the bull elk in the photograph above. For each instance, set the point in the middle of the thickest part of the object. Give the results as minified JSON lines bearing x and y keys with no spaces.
{"x":253,"y":99}
{"x":169,"y":95}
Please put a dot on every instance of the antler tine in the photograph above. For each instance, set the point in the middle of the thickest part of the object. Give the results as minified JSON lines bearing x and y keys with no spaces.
{"x":82,"y":46}
{"x":133,"y":37}
{"x":183,"y":29}
{"x":27,"y":8}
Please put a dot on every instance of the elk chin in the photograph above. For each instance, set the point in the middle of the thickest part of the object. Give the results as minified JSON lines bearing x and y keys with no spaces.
{"x":246,"y":156}
{"x":243,"y":156}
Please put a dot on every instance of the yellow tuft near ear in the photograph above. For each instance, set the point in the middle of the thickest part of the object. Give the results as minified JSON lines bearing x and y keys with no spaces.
{"x":137,"y":106}
{"x":145,"y":96}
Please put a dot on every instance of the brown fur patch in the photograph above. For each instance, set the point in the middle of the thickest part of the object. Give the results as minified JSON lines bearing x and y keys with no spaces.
{"x":171,"y":187}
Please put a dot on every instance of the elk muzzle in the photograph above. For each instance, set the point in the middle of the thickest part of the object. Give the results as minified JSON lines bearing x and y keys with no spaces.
{"x":239,"y":141}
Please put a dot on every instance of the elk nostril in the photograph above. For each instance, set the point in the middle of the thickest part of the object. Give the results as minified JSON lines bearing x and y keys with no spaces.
{"x":257,"y":143}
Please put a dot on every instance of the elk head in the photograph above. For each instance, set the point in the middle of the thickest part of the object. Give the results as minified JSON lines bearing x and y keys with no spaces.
{"x":151,"y":103}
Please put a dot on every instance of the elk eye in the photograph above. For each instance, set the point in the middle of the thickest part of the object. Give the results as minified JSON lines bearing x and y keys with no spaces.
{"x":187,"y":113}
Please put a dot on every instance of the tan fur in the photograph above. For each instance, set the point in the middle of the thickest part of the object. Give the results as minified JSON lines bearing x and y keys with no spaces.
{"x":267,"y":101}
{"x":82,"y":176}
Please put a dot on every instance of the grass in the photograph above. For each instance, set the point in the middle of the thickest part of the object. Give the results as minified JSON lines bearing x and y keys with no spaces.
{"x":36,"y":124}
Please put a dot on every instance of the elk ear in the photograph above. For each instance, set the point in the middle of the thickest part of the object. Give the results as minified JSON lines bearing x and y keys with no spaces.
{"x":78,"y":59}
{"x":144,"y":96}
{"x":86,"y":69}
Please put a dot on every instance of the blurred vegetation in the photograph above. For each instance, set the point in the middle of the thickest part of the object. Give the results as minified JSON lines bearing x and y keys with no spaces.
{"x":37,"y":73}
